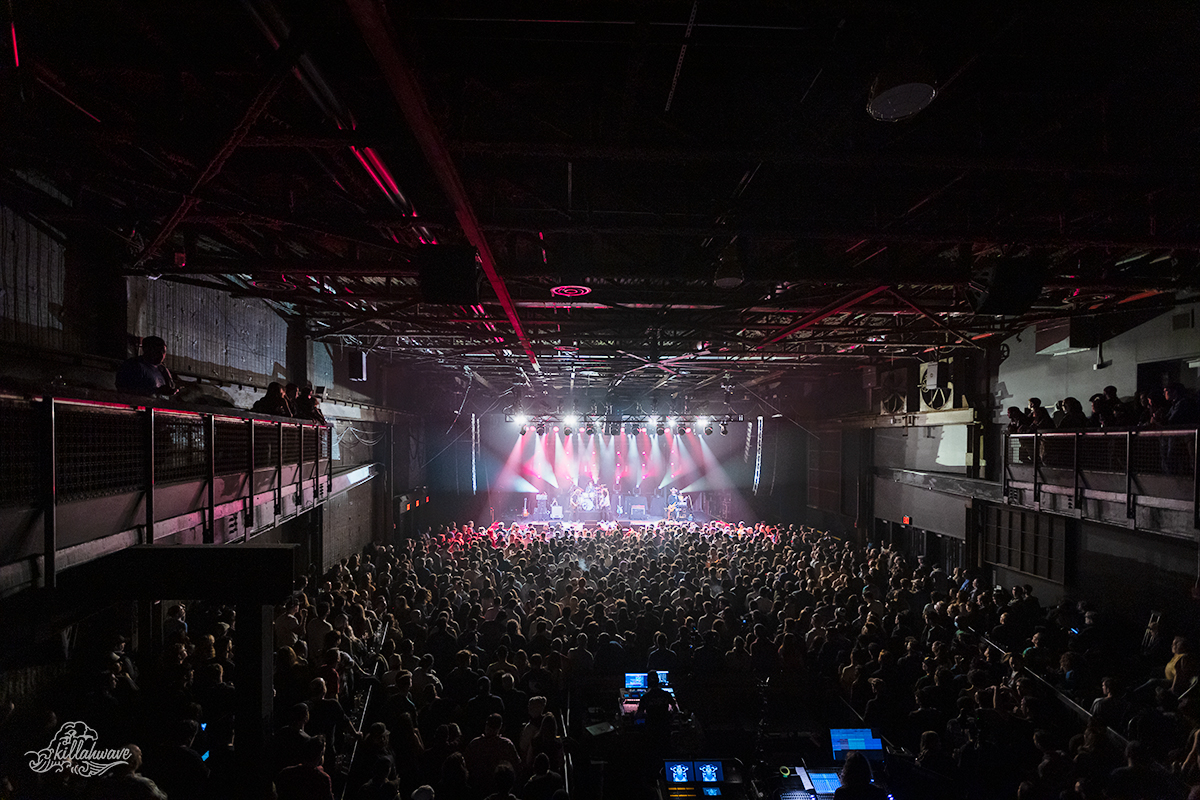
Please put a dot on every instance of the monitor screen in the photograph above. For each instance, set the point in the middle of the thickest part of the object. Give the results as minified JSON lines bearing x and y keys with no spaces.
{"x":712,"y":791}
{"x":825,"y":782}
{"x":846,"y":740}
{"x":635,"y":680}
{"x":709,"y":771}
{"x":664,"y":677}
{"x":680,"y":772}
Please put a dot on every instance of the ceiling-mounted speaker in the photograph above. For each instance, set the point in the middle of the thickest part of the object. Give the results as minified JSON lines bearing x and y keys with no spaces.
{"x":357,"y":363}
{"x":1008,"y":286}
{"x":448,"y":274}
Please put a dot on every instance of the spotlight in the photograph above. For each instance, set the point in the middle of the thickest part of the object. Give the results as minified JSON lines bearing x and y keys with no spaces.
{"x":724,"y":428}
{"x":541,"y":429}
{"x":520,"y":419}
{"x":571,"y":419}
{"x":567,"y":431}
{"x":680,"y":429}
{"x":524,"y":428}
{"x":659,"y":429}
{"x":590,"y":429}
{"x":708,"y":430}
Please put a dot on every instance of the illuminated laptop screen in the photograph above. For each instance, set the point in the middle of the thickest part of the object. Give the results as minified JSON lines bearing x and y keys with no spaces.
{"x":847,"y":740}
{"x":824,"y":782}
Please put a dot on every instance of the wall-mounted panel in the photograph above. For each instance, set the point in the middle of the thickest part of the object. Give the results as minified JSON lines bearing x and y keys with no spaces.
{"x":928,"y":510}
{"x":1025,"y":541}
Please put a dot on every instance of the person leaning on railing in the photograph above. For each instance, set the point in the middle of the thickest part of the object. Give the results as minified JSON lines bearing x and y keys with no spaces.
{"x":147,"y":375}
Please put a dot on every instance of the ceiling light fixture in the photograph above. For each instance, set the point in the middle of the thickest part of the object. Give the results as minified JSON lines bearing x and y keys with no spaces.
{"x":570,"y":290}
{"x":900,"y":91}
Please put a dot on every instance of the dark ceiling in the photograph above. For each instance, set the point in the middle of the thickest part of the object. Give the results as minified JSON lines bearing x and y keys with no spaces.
{"x":312,"y":153}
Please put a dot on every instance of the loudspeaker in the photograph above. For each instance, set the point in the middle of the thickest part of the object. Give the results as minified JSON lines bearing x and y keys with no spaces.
{"x":448,"y":274}
{"x":937,"y":375}
{"x":637,"y":512}
{"x":1008,"y":286}
{"x":358,"y":365}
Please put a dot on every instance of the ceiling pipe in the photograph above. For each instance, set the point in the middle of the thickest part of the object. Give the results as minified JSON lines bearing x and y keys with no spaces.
{"x":402,"y":80}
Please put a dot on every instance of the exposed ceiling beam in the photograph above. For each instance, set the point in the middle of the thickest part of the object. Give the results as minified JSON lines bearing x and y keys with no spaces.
{"x":376,"y":29}
{"x":813,"y":319}
{"x":577,"y":151}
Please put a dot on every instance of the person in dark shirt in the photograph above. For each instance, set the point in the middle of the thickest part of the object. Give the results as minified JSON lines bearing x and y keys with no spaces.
{"x":147,"y":375}
{"x":856,"y":781}
{"x":274,"y":402}
{"x":656,"y":705}
{"x":307,"y":780}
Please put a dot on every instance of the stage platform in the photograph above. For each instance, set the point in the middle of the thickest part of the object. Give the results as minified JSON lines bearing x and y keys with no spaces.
{"x":593,"y":521}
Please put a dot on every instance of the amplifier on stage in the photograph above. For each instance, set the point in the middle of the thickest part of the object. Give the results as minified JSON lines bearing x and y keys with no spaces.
{"x":637,"y":512}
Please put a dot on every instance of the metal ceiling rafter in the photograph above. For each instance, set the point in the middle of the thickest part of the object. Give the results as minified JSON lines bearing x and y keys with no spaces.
{"x":813,"y":319}
{"x":376,"y":29}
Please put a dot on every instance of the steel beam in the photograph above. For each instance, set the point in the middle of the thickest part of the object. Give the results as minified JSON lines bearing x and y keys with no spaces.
{"x":813,"y":319}
{"x":376,"y":29}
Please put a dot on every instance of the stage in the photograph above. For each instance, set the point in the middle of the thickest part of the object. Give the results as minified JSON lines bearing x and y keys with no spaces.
{"x":592,"y":520}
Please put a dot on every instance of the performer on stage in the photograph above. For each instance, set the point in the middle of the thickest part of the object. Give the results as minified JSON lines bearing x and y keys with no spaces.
{"x":605,"y":503}
{"x":673,"y":504}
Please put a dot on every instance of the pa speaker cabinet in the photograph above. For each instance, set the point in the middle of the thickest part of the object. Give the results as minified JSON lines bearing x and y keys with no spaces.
{"x":358,"y":365}
{"x":1008,"y":286}
{"x":448,"y":274}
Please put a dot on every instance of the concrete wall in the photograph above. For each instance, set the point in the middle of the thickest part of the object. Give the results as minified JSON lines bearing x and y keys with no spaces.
{"x":929,"y":510}
{"x":937,"y":448}
{"x":354,"y":519}
{"x":1130,"y":572}
{"x":1025,"y":374}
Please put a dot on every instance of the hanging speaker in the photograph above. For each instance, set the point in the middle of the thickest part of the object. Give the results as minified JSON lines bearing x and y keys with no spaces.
{"x":358,"y":365}
{"x":1008,"y":286}
{"x":448,"y":274}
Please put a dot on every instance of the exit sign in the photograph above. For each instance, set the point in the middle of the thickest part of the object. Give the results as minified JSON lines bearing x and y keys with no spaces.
{"x":907,"y":520}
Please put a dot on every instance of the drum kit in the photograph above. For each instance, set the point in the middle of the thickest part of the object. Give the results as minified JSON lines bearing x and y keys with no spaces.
{"x":588,"y":500}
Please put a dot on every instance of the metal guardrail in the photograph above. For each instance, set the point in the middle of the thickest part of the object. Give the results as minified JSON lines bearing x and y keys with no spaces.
{"x":1119,"y":462}
{"x":380,"y":638}
{"x":1079,"y":711}
{"x":58,"y":449}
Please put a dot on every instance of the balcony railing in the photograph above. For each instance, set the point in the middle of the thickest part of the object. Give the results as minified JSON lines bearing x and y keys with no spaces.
{"x":1153,"y":468}
{"x":58,"y":450}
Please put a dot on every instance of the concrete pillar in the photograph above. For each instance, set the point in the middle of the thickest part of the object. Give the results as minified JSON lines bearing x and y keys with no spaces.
{"x":254,"y":655}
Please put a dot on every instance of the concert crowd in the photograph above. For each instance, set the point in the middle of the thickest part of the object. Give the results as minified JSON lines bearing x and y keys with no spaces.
{"x":476,"y":638}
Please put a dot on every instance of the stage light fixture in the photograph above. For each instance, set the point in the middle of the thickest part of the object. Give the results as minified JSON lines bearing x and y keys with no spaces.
{"x":653,"y":420}
{"x":680,"y":430}
{"x":571,"y":419}
{"x":524,"y":428}
{"x":541,"y":429}
{"x":703,"y":421}
{"x":520,"y":419}
{"x":567,"y":431}
{"x":659,"y":429}
{"x":724,"y":428}
{"x":708,"y":430}
{"x":590,"y":429}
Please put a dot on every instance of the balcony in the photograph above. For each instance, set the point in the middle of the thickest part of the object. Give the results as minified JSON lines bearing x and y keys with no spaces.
{"x":82,"y":477}
{"x":1143,"y":479}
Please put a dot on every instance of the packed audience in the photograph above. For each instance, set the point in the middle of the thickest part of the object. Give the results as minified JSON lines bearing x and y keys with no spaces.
{"x":1173,"y":406}
{"x":471,"y":641}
